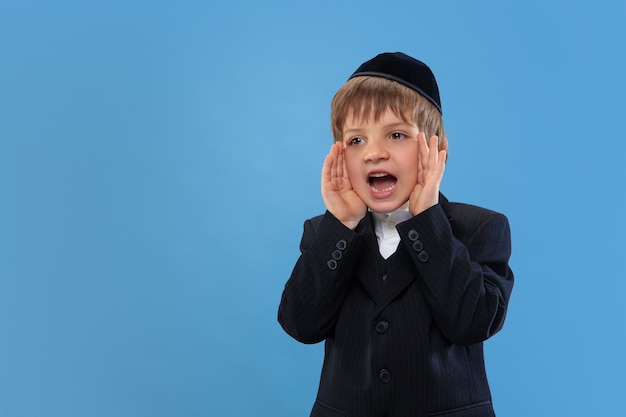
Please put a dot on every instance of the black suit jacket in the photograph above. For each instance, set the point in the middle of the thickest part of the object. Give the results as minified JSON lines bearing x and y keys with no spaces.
{"x":403,"y":335}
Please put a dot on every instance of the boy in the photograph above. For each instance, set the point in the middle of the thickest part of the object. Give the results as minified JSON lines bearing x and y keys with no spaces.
{"x":403,"y":285}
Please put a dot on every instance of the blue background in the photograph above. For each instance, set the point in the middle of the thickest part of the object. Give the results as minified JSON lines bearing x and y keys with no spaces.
{"x":158,"y":159}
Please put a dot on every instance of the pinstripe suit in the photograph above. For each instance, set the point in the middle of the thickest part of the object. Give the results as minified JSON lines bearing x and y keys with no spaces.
{"x":403,"y":335}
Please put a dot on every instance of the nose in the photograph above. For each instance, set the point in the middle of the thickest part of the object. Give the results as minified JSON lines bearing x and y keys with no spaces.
{"x":376,"y":150}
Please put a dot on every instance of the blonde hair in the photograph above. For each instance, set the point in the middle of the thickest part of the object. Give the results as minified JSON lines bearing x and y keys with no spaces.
{"x":366,"y":97}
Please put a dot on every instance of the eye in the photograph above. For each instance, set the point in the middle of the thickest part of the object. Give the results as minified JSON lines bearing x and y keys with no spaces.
{"x":356,"y":141}
{"x":397,"y":135}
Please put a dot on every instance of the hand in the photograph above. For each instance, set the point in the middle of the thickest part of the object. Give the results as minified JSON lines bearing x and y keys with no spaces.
{"x":339,"y":197}
{"x":432,"y":162}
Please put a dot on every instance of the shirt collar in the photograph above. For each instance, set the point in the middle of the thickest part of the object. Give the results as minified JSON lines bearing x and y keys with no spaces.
{"x":393,"y":218}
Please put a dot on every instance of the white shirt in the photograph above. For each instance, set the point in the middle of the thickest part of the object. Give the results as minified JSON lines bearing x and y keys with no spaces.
{"x":385,"y":228}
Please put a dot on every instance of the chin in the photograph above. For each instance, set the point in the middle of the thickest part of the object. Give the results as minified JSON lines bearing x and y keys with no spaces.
{"x":386,"y":207}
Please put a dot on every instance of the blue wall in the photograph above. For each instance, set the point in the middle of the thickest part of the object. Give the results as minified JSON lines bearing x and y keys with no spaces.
{"x":157,"y":161}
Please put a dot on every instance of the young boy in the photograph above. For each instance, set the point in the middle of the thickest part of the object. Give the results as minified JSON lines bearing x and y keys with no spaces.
{"x":403,"y":285}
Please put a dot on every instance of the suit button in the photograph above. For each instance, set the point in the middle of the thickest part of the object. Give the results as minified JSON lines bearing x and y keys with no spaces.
{"x":332,"y":264}
{"x":413,"y":235}
{"x":337,"y":255}
{"x":382,"y":326}
{"x":418,"y":245}
{"x":423,"y":256}
{"x":342,"y":244}
{"x":385,"y":376}
{"x":385,"y":278}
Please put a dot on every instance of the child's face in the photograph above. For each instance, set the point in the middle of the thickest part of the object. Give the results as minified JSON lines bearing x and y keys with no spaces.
{"x":382,"y":160}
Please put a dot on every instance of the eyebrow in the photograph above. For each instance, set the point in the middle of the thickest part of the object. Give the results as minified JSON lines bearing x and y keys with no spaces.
{"x":350,"y":131}
{"x":390,"y":126}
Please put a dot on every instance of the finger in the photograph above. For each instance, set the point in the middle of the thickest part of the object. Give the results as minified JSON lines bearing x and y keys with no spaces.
{"x":422,"y":149}
{"x":443,"y":143}
{"x":441,"y":161}
{"x":333,"y":165}
{"x":420,"y":168}
{"x":433,"y":151}
{"x":327,"y":168}
{"x":344,"y":162}
{"x":341,"y":160}
{"x":439,"y":167}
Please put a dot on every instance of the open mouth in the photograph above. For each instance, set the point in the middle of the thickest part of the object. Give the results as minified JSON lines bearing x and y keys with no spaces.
{"x":382,"y":181}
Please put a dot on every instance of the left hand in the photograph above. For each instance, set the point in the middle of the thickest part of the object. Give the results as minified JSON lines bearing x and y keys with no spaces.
{"x":432,"y":161}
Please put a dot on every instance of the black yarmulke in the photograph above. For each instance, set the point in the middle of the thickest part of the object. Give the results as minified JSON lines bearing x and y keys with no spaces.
{"x":404,"y":69}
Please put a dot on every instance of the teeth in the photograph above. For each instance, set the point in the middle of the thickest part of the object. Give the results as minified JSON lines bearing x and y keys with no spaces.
{"x":384,"y":189}
{"x":378,"y":175}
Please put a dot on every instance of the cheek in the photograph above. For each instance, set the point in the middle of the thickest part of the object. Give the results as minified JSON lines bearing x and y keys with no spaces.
{"x":351,"y":163}
{"x":410,"y":167}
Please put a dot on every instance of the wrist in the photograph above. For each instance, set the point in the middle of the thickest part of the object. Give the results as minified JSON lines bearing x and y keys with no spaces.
{"x":422,"y":206}
{"x":351,"y":224}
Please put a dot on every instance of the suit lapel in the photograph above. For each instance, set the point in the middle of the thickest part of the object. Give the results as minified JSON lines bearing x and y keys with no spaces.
{"x":370,"y":270}
{"x":399,"y":268}
{"x":400,"y":275}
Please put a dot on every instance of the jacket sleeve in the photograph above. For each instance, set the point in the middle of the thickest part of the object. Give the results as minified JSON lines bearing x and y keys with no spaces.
{"x":320,"y":279}
{"x":462,"y":264}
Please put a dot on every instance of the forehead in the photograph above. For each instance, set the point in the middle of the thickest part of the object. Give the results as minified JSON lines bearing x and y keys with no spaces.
{"x":356,"y":116}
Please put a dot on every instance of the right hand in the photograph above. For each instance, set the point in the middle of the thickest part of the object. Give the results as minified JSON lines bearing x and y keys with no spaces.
{"x":339,"y":197}
{"x":432,"y":161}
